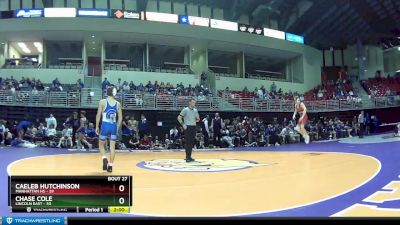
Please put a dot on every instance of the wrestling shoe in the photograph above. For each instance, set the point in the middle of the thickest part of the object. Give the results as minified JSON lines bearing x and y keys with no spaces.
{"x":307,"y":139}
{"x":105,"y":163}
{"x":109,"y":168}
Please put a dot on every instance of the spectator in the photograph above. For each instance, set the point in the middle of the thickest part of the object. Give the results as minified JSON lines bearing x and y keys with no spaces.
{"x":30,"y":133}
{"x":287,"y":135}
{"x":260,"y":93}
{"x":41,"y":132}
{"x":348,"y":129}
{"x":50,"y":135}
{"x":35,"y":92}
{"x":119,"y":84}
{"x":125,"y":87}
{"x":91,"y":135}
{"x":397,"y":130}
{"x":361,"y":124}
{"x":274,"y":135}
{"x":81,"y":131}
{"x":66,"y":139}
{"x":74,"y":122}
{"x":251,"y":140}
{"x":126,"y":131}
{"x":332,"y":130}
{"x":51,"y":120}
{"x":368,"y":123}
{"x":201,"y":97}
{"x":225,"y":138}
{"x":56,"y":82}
{"x":134,"y":142}
{"x":216,"y":125}
{"x":79,"y":85}
{"x":133,"y":125}
{"x":313,"y":132}
{"x":143,"y":126}
{"x":375,"y":124}
{"x":174,"y":133}
{"x":23,"y":126}
{"x":140,"y":87}
{"x":261,"y":141}
{"x":145,"y":142}
{"x":83,"y":141}
{"x":157,"y":144}
{"x":105,"y":84}
{"x":2,"y":132}
{"x":273,"y":88}
{"x":167,"y":142}
{"x":132,"y":86}
{"x":205,"y":129}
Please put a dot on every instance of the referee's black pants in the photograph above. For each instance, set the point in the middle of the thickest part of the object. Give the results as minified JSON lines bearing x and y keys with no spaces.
{"x":190,"y":134}
{"x":361,"y":130}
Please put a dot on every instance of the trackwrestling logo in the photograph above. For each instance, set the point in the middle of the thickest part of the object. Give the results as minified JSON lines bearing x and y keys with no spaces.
{"x":34,"y":220}
{"x":201,"y":165}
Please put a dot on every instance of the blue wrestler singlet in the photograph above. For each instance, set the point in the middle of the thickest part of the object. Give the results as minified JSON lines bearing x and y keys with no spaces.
{"x":109,"y":122}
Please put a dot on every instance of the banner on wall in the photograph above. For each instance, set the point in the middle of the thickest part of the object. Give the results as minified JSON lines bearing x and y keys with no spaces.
{"x":194,"y":20}
{"x":251,"y":29}
{"x":183,"y":19}
{"x":59,"y":12}
{"x":162,"y":17}
{"x":225,"y":25}
{"x":274,"y":33}
{"x":29,"y":13}
{"x":94,"y":13}
{"x":295,"y":38}
{"x":125,"y":14}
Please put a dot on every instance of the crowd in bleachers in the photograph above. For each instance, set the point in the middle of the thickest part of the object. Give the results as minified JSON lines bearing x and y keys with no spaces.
{"x":261,"y":93}
{"x":381,"y":86}
{"x":76,"y":132}
{"x":159,"y":88}
{"x":34,"y":85}
{"x":331,"y":90}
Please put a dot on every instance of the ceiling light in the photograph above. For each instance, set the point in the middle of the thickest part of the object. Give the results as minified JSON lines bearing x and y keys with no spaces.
{"x":22,"y":45}
{"x":92,"y":35}
{"x":398,"y":48}
{"x":94,"y":48}
{"x":38,"y":45}
{"x":26,"y":50}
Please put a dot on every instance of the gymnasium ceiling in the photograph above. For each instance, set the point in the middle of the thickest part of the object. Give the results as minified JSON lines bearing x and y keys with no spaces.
{"x":324,"y":23}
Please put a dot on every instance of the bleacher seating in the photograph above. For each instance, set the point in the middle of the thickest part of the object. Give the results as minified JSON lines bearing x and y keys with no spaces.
{"x":380,"y":85}
{"x":331,"y":89}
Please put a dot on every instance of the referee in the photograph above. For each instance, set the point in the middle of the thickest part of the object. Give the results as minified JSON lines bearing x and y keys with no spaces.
{"x":188,"y":118}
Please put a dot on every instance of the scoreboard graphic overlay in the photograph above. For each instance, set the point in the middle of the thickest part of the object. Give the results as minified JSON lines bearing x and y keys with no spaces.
{"x":75,"y":194}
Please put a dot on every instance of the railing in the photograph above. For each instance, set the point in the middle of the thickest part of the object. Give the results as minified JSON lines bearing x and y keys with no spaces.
{"x":89,"y":98}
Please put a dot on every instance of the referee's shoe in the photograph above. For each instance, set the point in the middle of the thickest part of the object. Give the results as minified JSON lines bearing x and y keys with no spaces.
{"x":189,"y":160}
